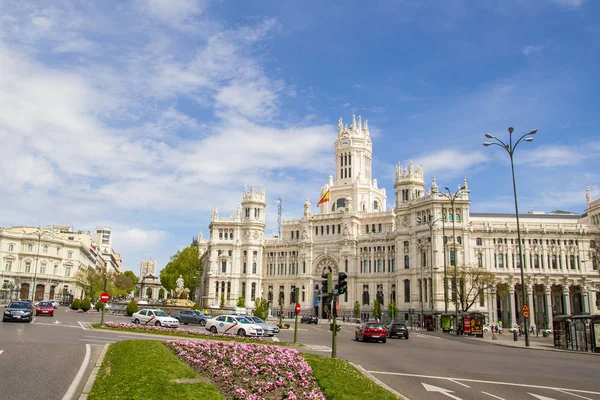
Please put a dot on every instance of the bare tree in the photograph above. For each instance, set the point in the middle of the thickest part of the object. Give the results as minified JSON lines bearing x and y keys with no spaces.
{"x":473,"y":284}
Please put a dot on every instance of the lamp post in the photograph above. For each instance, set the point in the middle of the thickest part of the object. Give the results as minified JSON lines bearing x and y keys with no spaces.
{"x":510,"y":149}
{"x":445,"y":262}
{"x":452,"y":198}
{"x":431,"y":223}
{"x":39,"y":232}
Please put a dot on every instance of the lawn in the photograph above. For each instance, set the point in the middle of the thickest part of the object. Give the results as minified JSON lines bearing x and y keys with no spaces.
{"x":339,"y":380}
{"x":145,"y":369}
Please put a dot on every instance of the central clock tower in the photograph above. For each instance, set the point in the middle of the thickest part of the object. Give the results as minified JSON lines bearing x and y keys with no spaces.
{"x":353,"y":171}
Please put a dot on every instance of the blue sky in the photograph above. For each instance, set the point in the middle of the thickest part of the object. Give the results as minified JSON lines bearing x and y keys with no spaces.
{"x":143,"y":115}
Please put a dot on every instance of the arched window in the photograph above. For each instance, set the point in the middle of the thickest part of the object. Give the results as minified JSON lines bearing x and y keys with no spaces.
{"x":406,"y":291}
{"x":406,"y":261}
{"x":500,"y":260}
{"x":375,"y":205}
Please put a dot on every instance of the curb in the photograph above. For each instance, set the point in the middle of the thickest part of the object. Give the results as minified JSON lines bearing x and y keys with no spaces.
{"x":90,"y":382}
{"x":568,"y":351}
{"x":378,"y":382}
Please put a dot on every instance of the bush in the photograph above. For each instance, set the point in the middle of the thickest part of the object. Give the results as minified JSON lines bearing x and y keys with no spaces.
{"x":76,"y":304}
{"x":132,"y":307}
{"x":99,"y":305}
{"x":287,"y":326}
{"x":86,"y":304}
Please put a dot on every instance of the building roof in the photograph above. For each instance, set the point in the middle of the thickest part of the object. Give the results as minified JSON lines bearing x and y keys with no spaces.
{"x":570,"y":216}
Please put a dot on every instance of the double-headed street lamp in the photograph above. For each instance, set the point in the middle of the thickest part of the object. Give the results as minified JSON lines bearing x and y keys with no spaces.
{"x":510,"y":149}
{"x":452,"y":198}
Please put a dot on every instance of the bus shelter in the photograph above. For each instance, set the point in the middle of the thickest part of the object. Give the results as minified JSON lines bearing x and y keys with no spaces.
{"x":577,"y":332}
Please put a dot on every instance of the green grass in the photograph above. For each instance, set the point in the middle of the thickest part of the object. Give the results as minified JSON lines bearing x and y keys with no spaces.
{"x":144,"y":369}
{"x":222,"y":338}
{"x":339,"y":380}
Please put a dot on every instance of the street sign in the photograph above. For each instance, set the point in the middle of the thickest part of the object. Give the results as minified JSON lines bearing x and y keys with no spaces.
{"x":297,"y":308}
{"x":105,"y":297}
{"x":525,"y":311}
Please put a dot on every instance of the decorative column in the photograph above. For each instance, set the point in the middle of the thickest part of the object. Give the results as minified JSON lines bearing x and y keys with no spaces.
{"x":532,"y":309}
{"x":548,"y":294}
{"x":566,"y":299}
{"x":512,"y":305}
{"x":585,"y":299}
{"x":492,"y":307}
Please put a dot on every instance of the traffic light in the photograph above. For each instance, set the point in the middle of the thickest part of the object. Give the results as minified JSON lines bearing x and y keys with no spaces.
{"x":342,"y":285}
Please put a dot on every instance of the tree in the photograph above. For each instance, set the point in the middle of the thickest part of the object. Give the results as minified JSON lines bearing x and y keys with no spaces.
{"x":393,"y":310}
{"x":473,"y":284}
{"x":356,"y":309}
{"x":132,"y":307}
{"x":241,"y":302}
{"x":376,"y":309}
{"x":133,"y":278}
{"x":90,"y":280}
{"x":185,"y":263}
{"x":261,"y":308}
{"x":222,"y":304}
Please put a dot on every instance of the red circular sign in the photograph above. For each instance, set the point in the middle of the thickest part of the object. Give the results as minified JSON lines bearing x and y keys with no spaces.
{"x":297,"y":308}
{"x":105,"y":297}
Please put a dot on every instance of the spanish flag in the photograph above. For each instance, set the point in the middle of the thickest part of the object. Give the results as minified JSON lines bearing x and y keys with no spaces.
{"x":324,"y":198}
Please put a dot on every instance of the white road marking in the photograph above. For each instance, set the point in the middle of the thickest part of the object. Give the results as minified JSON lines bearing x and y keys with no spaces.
{"x":428,"y":336}
{"x":75,"y":384}
{"x":33,"y":320}
{"x":82,"y":324}
{"x":61,"y":325}
{"x":458,"y":383}
{"x":484,"y":381}
{"x":445,"y":392}
{"x":493,"y":395}
{"x":1,"y":351}
{"x":275,"y":339}
{"x":57,"y":322}
{"x":576,"y":395}
{"x":96,"y":340}
{"x":540,"y":397}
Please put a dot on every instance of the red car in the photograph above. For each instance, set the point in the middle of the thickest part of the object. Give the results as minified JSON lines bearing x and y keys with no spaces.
{"x":370,"y":331}
{"x":44,"y":308}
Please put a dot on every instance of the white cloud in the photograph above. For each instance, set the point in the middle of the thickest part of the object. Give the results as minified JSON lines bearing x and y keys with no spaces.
{"x":570,"y":4}
{"x":532,"y":50}
{"x":135,"y":239}
{"x":450,"y":161}
{"x":178,"y":14}
{"x":552,"y":156}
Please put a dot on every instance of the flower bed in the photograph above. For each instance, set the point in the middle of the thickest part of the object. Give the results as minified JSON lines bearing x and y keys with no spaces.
{"x":250,"y":371}
{"x":152,"y":328}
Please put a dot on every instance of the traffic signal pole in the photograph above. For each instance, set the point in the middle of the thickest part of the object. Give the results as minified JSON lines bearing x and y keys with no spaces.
{"x":297,"y":298}
{"x":334,"y":333}
{"x":104,"y":306}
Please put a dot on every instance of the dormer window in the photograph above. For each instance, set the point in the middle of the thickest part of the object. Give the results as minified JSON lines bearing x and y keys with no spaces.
{"x":11,"y":247}
{"x":70,"y":254}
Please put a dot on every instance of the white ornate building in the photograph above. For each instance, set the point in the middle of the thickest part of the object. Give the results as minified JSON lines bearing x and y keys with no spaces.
{"x":42,"y":262}
{"x":386,"y":253}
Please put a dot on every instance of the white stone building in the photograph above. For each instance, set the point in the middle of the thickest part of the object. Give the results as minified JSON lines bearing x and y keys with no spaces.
{"x":40,"y":263}
{"x":386,"y":253}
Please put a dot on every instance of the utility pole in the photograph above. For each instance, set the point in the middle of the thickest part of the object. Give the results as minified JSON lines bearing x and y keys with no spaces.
{"x":297,"y":298}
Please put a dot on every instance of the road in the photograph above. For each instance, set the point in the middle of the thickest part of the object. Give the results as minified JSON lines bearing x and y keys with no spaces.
{"x":51,"y":351}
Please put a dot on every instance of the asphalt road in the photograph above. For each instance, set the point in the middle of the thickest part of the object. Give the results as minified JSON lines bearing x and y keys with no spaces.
{"x":41,"y":360}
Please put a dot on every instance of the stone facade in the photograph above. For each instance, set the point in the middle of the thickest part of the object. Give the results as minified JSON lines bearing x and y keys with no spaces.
{"x":387,"y":253}
{"x":46,"y":259}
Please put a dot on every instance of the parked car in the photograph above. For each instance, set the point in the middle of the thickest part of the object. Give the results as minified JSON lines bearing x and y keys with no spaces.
{"x":269,"y":329}
{"x":370,"y":331}
{"x":309,"y":319}
{"x":18,"y":311}
{"x":191,"y":317}
{"x":154,"y":317}
{"x":234,"y":325}
{"x":44,"y":308}
{"x":397,"y":330}
{"x":55,"y":303}
{"x":514,"y":328}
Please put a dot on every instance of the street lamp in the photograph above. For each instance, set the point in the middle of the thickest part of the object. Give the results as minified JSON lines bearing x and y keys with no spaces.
{"x":431,"y":223}
{"x":39,"y":232}
{"x":510,"y":149}
{"x":452,"y":198}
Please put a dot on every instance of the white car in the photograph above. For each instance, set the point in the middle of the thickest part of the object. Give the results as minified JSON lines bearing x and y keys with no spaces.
{"x":234,"y":325}
{"x":154,"y":317}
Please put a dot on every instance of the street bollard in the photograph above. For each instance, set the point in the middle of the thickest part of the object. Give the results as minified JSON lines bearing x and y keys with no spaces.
{"x":515,"y":336}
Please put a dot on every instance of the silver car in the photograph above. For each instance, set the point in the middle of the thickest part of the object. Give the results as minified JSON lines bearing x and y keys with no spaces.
{"x":270,"y":330}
